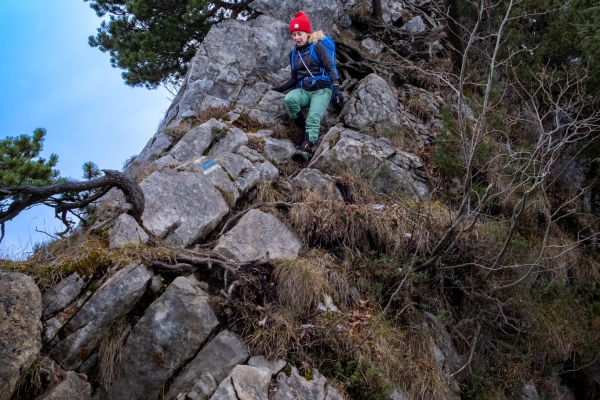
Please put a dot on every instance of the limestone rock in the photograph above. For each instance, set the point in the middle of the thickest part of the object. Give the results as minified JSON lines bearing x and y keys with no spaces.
{"x":217,"y":358}
{"x":331,"y":393}
{"x":203,"y":388}
{"x":297,"y":387}
{"x":270,"y":109}
{"x":318,"y":182}
{"x":230,"y":143}
{"x":63,"y":293}
{"x":245,"y":383}
{"x":115,"y":298}
{"x":322,"y":13}
{"x":279,"y":151}
{"x":529,"y":391}
{"x":73,"y":387}
{"x":372,"y":46}
{"x":256,"y":234}
{"x":372,"y":106}
{"x":125,"y":231}
{"x":415,"y":25}
{"x":181,"y":207}
{"x":222,"y":64}
{"x":53,"y":325}
{"x":267,"y":171}
{"x":153,"y":150}
{"x":387,"y":168}
{"x":244,"y":173}
{"x":197,"y":140}
{"x":217,"y":175}
{"x":170,"y":333}
{"x":261,"y":362}
{"x":20,"y":328}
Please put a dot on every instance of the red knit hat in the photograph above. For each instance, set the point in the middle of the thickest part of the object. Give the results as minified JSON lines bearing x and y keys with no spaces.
{"x":300,"y":23}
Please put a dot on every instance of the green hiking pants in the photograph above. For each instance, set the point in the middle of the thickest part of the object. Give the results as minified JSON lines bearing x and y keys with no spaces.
{"x":316,"y":102}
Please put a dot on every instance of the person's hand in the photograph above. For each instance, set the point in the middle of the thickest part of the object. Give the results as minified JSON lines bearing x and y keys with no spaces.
{"x":337,"y":96}
{"x":277,"y":89}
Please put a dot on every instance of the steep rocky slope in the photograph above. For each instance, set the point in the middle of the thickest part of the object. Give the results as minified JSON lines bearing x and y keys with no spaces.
{"x":249,"y":271}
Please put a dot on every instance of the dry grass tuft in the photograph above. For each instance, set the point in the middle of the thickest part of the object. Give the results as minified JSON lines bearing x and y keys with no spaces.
{"x":207,"y":114}
{"x":276,"y":337}
{"x":55,"y":260}
{"x":266,"y":193}
{"x":109,"y":353}
{"x":419,"y":108}
{"x":301,"y":285}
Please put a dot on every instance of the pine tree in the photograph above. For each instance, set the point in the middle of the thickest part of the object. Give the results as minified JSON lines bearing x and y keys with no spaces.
{"x":153,"y":40}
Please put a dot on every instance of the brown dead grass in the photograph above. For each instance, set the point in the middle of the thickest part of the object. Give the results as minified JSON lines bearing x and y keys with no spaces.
{"x":55,"y":260}
{"x":109,"y":353}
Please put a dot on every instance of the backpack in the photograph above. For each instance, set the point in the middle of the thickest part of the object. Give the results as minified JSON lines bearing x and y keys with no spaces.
{"x":329,"y":45}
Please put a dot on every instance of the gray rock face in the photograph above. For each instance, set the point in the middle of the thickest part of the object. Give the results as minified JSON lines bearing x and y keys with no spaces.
{"x":422,"y":116}
{"x":53,"y":325}
{"x":415,"y":25}
{"x":222,"y":64}
{"x":181,"y":207}
{"x":256,"y":234}
{"x":387,"y":168}
{"x":63,"y":293}
{"x":271,"y":107}
{"x":373,"y":106}
{"x":115,"y":298}
{"x":372,"y":46}
{"x":297,"y":387}
{"x":317,"y":182}
{"x":197,"y":140}
{"x":73,"y":387}
{"x":217,"y":358}
{"x":153,"y":150}
{"x":217,"y":175}
{"x":279,"y":151}
{"x":529,"y":391}
{"x":261,"y":362}
{"x":170,"y":333}
{"x":125,"y":231}
{"x":322,"y":13}
{"x":244,"y":173}
{"x":245,"y":383}
{"x":20,"y":328}
{"x":230,"y":143}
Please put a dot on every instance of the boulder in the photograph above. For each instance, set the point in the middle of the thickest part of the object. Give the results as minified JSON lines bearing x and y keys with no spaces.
{"x":295,"y":386}
{"x":270,"y":109}
{"x":170,"y":333}
{"x":73,"y":387}
{"x":153,"y":150}
{"x":372,"y":46}
{"x":217,"y":359}
{"x":317,"y":182}
{"x":244,"y":383}
{"x":529,"y":391}
{"x":203,"y":388}
{"x":391,"y":10}
{"x":53,"y":325}
{"x":415,"y":25}
{"x":267,"y":171}
{"x":256,"y":235}
{"x":222,"y":65}
{"x":217,"y":175}
{"x":20,"y":328}
{"x":84,"y":331}
{"x":322,"y":13}
{"x":274,"y":366}
{"x":373,"y":106}
{"x":244,"y":174}
{"x":422,"y":115}
{"x":125,"y":231}
{"x":181,"y":207}
{"x":232,"y":141}
{"x":279,"y":151}
{"x":63,"y":293}
{"x":198,"y":140}
{"x":387,"y":168}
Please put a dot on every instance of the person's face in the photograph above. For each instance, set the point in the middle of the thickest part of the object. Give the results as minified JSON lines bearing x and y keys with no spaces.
{"x":300,"y":37}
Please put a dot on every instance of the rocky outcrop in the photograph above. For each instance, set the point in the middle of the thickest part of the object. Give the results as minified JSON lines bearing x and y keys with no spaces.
{"x":373,"y":106}
{"x":257,"y":235}
{"x":212,"y":364}
{"x":388,"y":169}
{"x":126,"y":231}
{"x":294,"y":386}
{"x":117,"y":296}
{"x":181,"y":207}
{"x":63,"y":293}
{"x":170,"y":333}
{"x":73,"y":387}
{"x":244,"y":383}
{"x":317,"y":182}
{"x":20,"y":328}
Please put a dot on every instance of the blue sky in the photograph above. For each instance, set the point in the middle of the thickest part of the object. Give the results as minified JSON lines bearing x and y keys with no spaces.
{"x":51,"y":78}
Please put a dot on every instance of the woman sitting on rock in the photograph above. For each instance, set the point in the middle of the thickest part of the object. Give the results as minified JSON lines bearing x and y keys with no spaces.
{"x":314,"y":79}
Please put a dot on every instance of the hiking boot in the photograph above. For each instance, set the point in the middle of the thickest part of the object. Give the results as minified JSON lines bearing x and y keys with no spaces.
{"x":302,"y":155}
{"x":300,"y":121}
